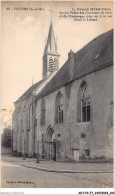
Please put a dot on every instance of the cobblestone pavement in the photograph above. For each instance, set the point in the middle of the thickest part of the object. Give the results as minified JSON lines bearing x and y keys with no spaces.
{"x":100,"y":167}
{"x":14,"y":175}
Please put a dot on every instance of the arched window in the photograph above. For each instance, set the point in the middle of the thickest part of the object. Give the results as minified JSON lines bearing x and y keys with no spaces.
{"x":59,"y":108}
{"x":83,"y":106}
{"x":43,"y":112}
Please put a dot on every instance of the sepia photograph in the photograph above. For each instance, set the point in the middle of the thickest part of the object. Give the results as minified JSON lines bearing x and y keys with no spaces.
{"x":57,"y":94}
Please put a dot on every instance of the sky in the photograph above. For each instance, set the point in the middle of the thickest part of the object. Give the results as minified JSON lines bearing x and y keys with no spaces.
{"x":23,"y":35}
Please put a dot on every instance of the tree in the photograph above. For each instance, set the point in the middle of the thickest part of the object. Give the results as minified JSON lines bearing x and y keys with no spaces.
{"x":6,"y":137}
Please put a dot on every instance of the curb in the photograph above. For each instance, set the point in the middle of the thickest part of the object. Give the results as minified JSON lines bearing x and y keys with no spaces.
{"x":58,"y":171}
{"x":65,"y":171}
{"x":16,"y":161}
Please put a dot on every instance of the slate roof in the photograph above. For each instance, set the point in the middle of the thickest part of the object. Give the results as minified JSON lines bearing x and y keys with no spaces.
{"x":51,"y":46}
{"x":96,"y":55}
{"x":29,"y":92}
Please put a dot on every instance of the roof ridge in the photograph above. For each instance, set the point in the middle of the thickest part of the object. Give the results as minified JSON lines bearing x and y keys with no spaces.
{"x":85,"y":63}
{"x":107,"y":32}
{"x":30,"y":88}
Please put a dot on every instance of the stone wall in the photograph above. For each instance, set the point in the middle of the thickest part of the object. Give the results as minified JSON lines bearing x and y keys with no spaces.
{"x":97,"y":131}
{"x":23,"y":127}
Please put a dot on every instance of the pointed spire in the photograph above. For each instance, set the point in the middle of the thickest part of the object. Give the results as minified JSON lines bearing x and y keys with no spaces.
{"x":51,"y":46}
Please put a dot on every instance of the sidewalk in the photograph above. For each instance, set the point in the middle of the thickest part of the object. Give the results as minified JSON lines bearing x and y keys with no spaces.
{"x":64,"y":167}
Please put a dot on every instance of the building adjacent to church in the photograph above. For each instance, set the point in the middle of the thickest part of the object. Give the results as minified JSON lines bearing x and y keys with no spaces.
{"x":68,"y":115}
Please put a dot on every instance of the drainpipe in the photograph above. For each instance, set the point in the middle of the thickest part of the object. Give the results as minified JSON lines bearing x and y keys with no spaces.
{"x":24,"y":151}
{"x":38,"y":161}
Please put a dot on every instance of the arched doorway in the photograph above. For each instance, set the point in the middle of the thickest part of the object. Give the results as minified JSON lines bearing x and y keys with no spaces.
{"x":50,"y":144}
{"x":49,"y":134}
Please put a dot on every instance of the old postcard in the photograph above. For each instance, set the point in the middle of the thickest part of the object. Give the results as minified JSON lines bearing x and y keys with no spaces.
{"x":57,"y":95}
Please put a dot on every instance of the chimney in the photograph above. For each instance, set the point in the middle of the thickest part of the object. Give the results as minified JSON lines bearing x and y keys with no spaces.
{"x":71,"y":64}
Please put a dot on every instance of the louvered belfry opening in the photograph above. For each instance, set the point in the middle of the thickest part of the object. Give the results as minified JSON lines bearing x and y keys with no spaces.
{"x":51,"y":55}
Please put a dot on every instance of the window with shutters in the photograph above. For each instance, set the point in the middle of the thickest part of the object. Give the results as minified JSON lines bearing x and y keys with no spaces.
{"x":51,"y":64}
{"x":55,"y":63}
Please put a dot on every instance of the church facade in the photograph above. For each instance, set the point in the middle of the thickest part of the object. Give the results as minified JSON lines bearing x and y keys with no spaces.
{"x":68,"y":115}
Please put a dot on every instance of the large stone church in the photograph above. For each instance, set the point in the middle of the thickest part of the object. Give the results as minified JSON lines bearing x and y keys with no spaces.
{"x":68,"y":115}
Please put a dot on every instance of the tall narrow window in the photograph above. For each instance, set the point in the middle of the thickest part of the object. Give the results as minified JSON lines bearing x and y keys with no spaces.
{"x":29,"y":118}
{"x":59,"y":109}
{"x":56,"y":63}
{"x":83,"y":103}
{"x":51,"y":64}
{"x":30,"y":113}
{"x":43,"y":112}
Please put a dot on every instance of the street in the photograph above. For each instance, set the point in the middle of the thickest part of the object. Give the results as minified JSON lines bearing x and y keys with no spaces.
{"x":16,"y":176}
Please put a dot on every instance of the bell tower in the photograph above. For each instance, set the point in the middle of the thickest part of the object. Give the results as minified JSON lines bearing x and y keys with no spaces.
{"x":51,"y":55}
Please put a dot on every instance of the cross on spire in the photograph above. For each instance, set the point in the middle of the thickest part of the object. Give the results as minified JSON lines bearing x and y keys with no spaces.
{"x":51,"y":55}
{"x":51,"y":11}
